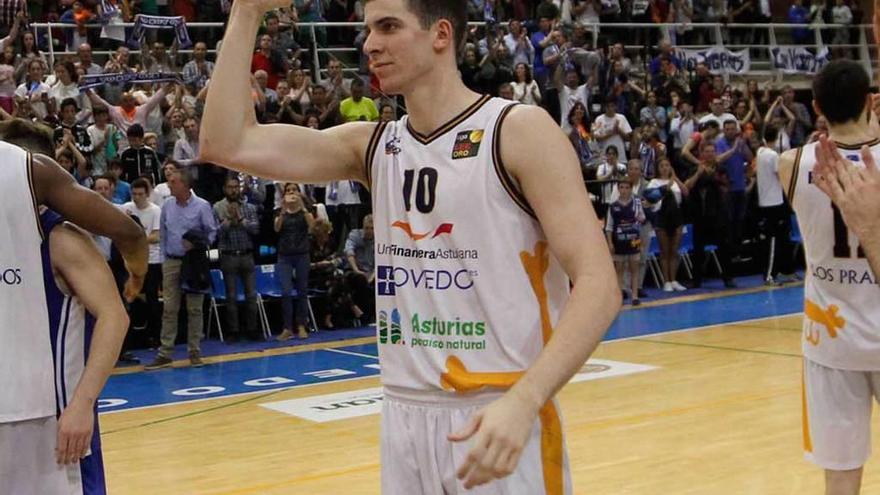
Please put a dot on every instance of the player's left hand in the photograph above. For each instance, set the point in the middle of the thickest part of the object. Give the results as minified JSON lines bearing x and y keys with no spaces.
{"x":74,"y":432}
{"x":500,"y":432}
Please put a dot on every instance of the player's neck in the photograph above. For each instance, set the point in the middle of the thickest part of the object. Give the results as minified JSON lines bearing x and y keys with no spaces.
{"x":852,"y":133}
{"x":432,"y":104}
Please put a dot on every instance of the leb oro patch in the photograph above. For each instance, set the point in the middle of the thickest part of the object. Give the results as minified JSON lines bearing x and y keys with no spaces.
{"x":467,"y":144}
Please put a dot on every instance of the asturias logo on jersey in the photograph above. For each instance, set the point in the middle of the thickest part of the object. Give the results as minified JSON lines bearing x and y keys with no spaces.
{"x":391,"y":278}
{"x":467,"y":144}
{"x":432,"y":332}
{"x":444,"y":228}
{"x":389,"y":330}
{"x":10,"y":276}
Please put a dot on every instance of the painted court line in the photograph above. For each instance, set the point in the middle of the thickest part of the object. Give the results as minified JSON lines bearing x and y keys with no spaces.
{"x":701,"y":327}
{"x":358,"y":354}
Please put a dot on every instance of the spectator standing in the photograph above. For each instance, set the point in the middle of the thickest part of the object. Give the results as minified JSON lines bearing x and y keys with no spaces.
{"x":710,"y":213}
{"x":238,"y":226}
{"x":129,"y":112}
{"x":525,"y":88}
{"x":774,"y":212}
{"x":149,"y":215}
{"x":718,"y":115}
{"x":667,"y":217}
{"x":798,"y":14}
{"x":81,"y":137}
{"x":803,"y":122}
{"x":85,"y":62}
{"x":186,"y":150}
{"x":541,"y":39}
{"x":655,"y":115}
{"x":197,"y":71}
{"x":182,"y":216}
{"x":682,"y":127}
{"x":611,"y":129}
{"x":738,"y":155}
{"x":580,"y":136}
{"x":34,"y":92}
{"x":292,"y":223}
{"x":66,"y":86}
{"x":121,"y":188}
{"x":518,"y":44}
{"x":357,"y":107}
{"x":625,"y":217}
{"x":841,"y":14}
{"x":571,"y":92}
{"x":336,"y":84}
{"x":610,"y":172}
{"x":105,"y":138}
{"x":270,"y":60}
{"x":139,"y":159}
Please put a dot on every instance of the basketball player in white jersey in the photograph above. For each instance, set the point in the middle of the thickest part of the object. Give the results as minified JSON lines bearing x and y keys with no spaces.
{"x":481,"y":218}
{"x":46,"y":411}
{"x":841,"y":328}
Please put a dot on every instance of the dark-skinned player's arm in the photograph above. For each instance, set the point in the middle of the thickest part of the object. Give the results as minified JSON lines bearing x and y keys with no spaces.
{"x":230,"y":135}
{"x":58,"y":190}
{"x":84,"y":273}
{"x":540,"y":157}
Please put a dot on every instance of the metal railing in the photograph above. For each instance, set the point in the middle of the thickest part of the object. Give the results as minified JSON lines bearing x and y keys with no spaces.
{"x":712,"y":34}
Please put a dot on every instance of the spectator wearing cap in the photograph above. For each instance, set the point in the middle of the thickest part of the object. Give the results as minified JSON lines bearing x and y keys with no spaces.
{"x":139,"y":159}
{"x":357,"y":107}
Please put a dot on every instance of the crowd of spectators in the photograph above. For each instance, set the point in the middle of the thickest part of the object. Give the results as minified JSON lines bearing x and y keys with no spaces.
{"x":684,"y":141}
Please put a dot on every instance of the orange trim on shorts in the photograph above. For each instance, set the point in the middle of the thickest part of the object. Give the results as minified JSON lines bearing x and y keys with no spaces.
{"x":552,"y":455}
{"x":805,"y":414}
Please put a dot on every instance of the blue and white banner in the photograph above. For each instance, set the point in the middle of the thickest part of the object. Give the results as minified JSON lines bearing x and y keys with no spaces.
{"x":797,"y":59}
{"x":143,"y":22}
{"x":97,"y":80}
{"x":718,"y":60}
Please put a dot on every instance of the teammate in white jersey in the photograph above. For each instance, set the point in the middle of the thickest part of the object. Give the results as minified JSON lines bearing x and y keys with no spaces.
{"x":841,"y":328}
{"x":481,"y":217}
{"x":47,"y":418}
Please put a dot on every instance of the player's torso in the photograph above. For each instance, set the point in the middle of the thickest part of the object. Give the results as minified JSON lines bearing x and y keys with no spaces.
{"x":26,"y":385}
{"x":454,"y":242}
{"x":841,"y":314}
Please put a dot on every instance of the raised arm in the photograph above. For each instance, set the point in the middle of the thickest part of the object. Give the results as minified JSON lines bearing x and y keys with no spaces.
{"x":57,"y":189}
{"x":85,"y":273}
{"x":230,"y":135}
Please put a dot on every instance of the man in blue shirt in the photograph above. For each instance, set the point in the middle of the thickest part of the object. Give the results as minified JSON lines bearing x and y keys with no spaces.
{"x":736,"y":156}
{"x":541,"y":40}
{"x":182,"y":213}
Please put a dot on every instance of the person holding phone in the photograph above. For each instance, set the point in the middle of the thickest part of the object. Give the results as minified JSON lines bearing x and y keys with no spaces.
{"x":292,"y":223}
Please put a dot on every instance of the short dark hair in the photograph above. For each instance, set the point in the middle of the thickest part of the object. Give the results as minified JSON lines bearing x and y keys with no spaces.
{"x":612,"y":149}
{"x":108,"y":177}
{"x":430,"y":11}
{"x":840,"y":90}
{"x":710,"y":123}
{"x":36,"y":138}
{"x":771,"y":133}
{"x":136,"y":130}
{"x":69,"y":102}
{"x":140,"y":183}
{"x":730,"y":121}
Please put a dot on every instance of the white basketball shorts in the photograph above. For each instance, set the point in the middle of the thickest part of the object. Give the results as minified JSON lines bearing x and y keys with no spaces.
{"x":28,"y":465}
{"x":417,"y":458}
{"x":837,"y":415}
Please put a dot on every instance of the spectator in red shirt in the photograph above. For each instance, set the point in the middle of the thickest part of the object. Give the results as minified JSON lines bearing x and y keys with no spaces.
{"x":269,"y":60}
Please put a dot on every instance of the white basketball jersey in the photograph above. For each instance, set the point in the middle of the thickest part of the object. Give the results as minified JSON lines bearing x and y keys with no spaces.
{"x":27,"y":389}
{"x":841,"y":317}
{"x":467,"y":291}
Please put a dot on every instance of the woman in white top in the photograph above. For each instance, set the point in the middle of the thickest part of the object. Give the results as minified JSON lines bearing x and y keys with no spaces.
{"x":300,"y":88}
{"x":65,"y":84}
{"x":668,"y":219}
{"x":525,"y":89}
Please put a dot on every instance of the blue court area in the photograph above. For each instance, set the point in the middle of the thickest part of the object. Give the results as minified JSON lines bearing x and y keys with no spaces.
{"x":261,"y":374}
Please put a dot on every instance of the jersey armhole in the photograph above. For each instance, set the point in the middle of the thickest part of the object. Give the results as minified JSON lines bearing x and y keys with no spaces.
{"x":371,"y":152}
{"x":510,"y":185}
{"x":795,"y":171}
{"x":36,"y":207}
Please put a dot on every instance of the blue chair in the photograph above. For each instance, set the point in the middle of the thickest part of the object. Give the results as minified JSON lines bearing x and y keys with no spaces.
{"x":219,"y":297}
{"x":269,"y":285}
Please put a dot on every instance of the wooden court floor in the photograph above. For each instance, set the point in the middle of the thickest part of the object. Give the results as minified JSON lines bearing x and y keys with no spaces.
{"x":721,"y":415}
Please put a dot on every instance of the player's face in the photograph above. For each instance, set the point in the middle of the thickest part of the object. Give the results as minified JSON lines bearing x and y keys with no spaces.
{"x":400,"y":51}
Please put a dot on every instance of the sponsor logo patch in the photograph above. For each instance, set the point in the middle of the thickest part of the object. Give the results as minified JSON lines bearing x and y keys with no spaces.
{"x":467,"y":144}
